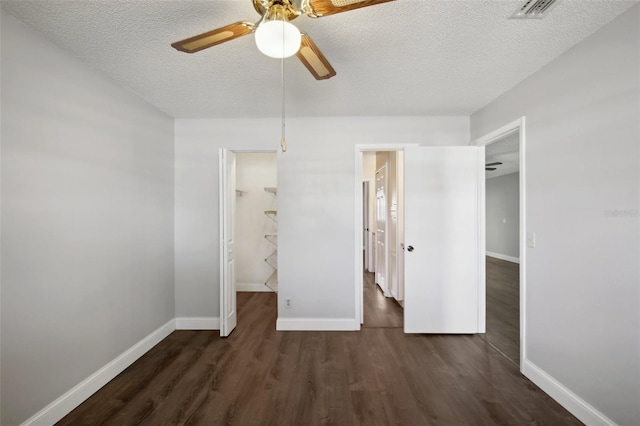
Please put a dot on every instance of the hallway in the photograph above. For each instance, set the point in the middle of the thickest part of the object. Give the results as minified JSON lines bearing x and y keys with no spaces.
{"x":379,"y":311}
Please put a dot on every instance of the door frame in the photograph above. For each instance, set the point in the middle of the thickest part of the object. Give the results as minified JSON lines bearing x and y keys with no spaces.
{"x":491,"y":137}
{"x":359,"y":263}
{"x":365,"y":222}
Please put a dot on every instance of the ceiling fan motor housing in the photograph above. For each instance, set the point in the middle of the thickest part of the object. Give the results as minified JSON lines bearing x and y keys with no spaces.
{"x":282,"y":10}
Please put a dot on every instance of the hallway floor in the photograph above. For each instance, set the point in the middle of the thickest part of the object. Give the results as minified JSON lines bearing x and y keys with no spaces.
{"x":379,"y":311}
{"x":503,"y":307}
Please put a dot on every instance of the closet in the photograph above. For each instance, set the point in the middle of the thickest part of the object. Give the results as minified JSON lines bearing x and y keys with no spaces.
{"x":272,"y":259}
{"x":256,"y":219}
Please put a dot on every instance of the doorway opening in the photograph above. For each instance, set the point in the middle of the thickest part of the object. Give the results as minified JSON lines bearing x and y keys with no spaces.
{"x":442,"y":202}
{"x":248,"y":229}
{"x":505,"y":239}
{"x":256,"y":219}
{"x":383,"y":238}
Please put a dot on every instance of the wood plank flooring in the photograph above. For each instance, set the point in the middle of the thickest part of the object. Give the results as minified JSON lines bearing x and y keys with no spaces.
{"x":379,"y":311}
{"x":503,"y":307}
{"x":377,"y":376}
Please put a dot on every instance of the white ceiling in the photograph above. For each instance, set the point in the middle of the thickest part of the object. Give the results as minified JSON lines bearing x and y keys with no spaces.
{"x":506,"y":151}
{"x":408,"y":57}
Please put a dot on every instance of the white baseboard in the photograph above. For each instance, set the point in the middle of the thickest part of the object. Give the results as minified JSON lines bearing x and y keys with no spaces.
{"x":317,"y":324}
{"x":503,"y":257}
{"x":198,"y":323}
{"x":62,"y":406}
{"x":252,"y":287}
{"x":572,"y":402}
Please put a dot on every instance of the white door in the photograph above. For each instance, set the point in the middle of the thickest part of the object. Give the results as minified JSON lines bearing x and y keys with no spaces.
{"x":444,"y":291}
{"x":400,"y":233}
{"x":381,"y":229}
{"x":392,"y":253}
{"x":365,"y":223}
{"x":227,"y":199}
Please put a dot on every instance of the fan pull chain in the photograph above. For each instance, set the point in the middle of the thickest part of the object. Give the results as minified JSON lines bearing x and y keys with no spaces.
{"x":283,"y":141}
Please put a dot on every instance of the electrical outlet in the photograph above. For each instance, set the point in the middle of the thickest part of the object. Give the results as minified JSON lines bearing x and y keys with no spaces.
{"x":287,"y":302}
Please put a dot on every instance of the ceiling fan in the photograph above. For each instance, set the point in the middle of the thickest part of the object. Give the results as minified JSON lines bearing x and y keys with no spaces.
{"x":275,"y":35}
{"x":489,"y":168}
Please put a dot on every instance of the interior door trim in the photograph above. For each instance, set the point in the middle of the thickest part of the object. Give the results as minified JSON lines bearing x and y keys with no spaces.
{"x":519,"y":126}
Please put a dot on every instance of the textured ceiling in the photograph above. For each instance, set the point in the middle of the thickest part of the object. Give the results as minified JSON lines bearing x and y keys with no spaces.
{"x":408,"y":57}
{"x":506,"y":151}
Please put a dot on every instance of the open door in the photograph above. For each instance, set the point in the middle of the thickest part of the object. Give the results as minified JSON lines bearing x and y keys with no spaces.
{"x":227,"y":200}
{"x":381,"y":230}
{"x":444,"y":286}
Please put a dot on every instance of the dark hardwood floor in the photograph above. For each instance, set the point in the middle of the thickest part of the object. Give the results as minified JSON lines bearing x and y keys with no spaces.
{"x":503,"y":307}
{"x":379,"y":311}
{"x":377,"y":376}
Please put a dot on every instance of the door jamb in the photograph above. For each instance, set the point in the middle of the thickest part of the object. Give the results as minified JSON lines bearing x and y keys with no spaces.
{"x":222,"y":201}
{"x":366,"y":182}
{"x":516,"y":126}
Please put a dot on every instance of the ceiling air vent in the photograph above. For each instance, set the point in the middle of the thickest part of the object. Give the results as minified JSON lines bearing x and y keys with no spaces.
{"x":534,"y":9}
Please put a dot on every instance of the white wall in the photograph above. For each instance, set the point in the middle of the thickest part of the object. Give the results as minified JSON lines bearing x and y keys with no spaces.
{"x":87,"y":221}
{"x":502,"y":215}
{"x":254,"y":172}
{"x":316,"y":200}
{"x":582,"y":163}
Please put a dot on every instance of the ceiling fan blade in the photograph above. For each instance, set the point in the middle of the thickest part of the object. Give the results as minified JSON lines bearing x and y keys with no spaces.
{"x":494,"y":164}
{"x":314,"y":60}
{"x":212,"y":38}
{"x":490,"y":168}
{"x":319,"y":8}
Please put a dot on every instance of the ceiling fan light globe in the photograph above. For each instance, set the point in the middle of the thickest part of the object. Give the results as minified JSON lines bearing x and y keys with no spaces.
{"x":278,"y":39}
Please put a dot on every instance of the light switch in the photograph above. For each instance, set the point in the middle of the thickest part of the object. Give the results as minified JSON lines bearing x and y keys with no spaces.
{"x":531,"y":239}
